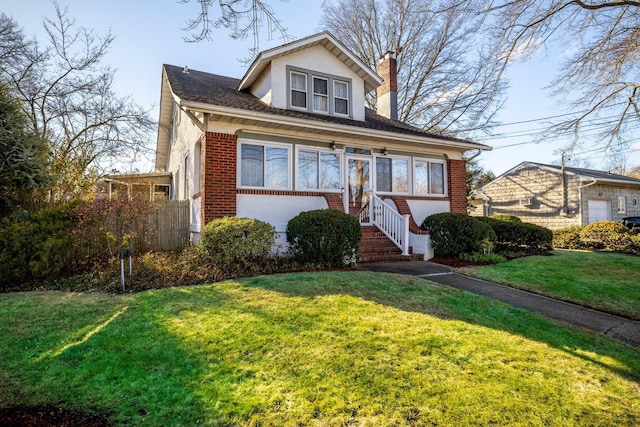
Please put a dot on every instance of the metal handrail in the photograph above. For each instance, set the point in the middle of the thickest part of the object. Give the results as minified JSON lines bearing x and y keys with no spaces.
{"x":394,"y":225}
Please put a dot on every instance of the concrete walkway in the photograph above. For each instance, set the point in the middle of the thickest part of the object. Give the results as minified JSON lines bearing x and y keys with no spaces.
{"x":620,"y":328}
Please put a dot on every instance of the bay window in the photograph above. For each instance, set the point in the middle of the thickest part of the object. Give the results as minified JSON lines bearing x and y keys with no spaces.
{"x":265,"y":166}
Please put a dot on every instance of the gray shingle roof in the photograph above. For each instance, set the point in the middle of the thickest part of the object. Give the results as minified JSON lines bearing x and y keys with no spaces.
{"x":591,"y":173}
{"x":213,"y":89}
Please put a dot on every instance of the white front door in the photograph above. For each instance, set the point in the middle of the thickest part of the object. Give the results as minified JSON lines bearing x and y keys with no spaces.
{"x":358,"y":189}
{"x":599,"y":210}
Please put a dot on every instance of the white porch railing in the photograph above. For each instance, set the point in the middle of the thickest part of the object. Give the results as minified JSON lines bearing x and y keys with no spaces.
{"x":394,"y":225}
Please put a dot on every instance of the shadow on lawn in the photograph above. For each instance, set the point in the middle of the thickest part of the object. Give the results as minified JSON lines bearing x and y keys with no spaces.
{"x":119,"y":363}
{"x":421,"y":296}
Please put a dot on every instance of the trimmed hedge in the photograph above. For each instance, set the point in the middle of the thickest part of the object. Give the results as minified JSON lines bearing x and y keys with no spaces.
{"x":520,"y":237}
{"x":232,"y":240}
{"x":453,"y":234}
{"x":609,"y":236}
{"x":567,"y":238}
{"x":506,"y":217}
{"x":324,"y":237}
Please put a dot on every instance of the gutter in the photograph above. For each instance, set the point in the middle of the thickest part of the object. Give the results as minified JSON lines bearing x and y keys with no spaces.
{"x":580,"y":188}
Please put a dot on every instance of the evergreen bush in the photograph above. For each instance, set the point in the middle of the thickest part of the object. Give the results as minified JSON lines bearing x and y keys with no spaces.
{"x":608,"y":236}
{"x":237,"y":240}
{"x":324,"y":237}
{"x":39,"y":246}
{"x":453,"y":234}
{"x":567,"y":238}
{"x":520,"y":237}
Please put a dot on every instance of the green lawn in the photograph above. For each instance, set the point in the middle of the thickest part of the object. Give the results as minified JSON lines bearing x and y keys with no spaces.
{"x":604,"y":281}
{"x":315,"y":349}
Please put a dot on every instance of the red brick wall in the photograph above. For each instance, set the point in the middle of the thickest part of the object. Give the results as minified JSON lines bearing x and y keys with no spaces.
{"x":388,"y":70}
{"x":218,"y":178}
{"x":457,"y":182}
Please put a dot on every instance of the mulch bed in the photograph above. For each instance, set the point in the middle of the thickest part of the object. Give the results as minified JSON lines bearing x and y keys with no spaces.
{"x":49,"y":416}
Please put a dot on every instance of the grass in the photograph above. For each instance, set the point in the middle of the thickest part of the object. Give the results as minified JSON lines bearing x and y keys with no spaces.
{"x":317,"y":349}
{"x":603,"y":281}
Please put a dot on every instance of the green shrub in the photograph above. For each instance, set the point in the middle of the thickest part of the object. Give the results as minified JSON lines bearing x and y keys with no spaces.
{"x":567,"y":238}
{"x":453,"y":234}
{"x":608,"y":236}
{"x":39,"y":246}
{"x":236,"y":240}
{"x":324,"y":237}
{"x":506,"y":217}
{"x":520,"y":237}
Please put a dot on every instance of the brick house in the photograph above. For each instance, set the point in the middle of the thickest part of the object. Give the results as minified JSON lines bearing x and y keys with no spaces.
{"x":293,"y":135}
{"x":556,"y":197}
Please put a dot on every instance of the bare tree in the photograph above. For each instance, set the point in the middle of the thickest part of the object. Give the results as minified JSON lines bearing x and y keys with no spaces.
{"x":602,"y":40}
{"x":243,"y":18}
{"x":69,"y":99}
{"x":447,"y":79}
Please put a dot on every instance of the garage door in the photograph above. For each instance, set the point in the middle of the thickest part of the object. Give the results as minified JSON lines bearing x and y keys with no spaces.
{"x":599,"y":210}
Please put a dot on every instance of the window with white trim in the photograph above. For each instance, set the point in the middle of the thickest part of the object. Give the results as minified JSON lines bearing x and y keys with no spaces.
{"x":622,"y":204}
{"x":340,"y":97}
{"x":429,"y":177}
{"x":264,"y":166}
{"x":298,"y":90}
{"x":392,"y":175}
{"x":318,"y":170}
{"x":319,"y":93}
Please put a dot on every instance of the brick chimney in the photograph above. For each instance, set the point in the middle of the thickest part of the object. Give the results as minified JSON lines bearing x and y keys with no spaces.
{"x":387,"y":92}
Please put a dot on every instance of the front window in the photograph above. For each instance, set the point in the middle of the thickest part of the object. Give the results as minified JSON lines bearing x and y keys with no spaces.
{"x":392,"y":175}
{"x":429,"y":177}
{"x":264,"y":166}
{"x":318,"y":170}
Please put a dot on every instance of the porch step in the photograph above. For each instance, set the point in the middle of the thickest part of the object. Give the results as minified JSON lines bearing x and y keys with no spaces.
{"x":376,"y":247}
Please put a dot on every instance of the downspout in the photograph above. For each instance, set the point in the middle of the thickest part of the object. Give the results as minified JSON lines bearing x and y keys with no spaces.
{"x":580,"y":187}
{"x":475,"y":155}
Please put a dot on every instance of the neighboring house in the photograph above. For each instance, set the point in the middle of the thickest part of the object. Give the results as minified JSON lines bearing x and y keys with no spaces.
{"x":293,"y":135}
{"x":149,"y":186}
{"x":556,"y":197}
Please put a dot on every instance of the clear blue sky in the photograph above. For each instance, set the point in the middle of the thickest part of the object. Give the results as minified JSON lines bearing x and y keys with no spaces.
{"x":148,"y":34}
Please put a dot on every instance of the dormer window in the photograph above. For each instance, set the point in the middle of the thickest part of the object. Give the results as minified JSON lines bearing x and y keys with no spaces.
{"x":341,"y":97}
{"x":320,"y":95}
{"x":298,"y":90}
{"x":326,"y":94}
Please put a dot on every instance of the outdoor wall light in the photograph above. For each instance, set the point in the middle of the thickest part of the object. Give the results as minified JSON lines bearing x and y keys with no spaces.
{"x":384,"y":151}
{"x":332,"y":145}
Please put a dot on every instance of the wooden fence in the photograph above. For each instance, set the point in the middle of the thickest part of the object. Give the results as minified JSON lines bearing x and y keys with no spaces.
{"x":166,"y":229}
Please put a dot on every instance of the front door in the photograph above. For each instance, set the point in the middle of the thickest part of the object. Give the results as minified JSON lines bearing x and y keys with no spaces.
{"x":358,"y":188}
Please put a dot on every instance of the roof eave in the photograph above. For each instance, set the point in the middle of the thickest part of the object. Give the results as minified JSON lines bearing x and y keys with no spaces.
{"x":317,"y":125}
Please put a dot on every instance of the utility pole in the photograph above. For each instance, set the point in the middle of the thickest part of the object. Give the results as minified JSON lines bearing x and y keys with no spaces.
{"x":565,"y":193}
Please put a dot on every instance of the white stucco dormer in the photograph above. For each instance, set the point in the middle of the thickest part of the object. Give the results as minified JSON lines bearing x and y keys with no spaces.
{"x":316,"y":74}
